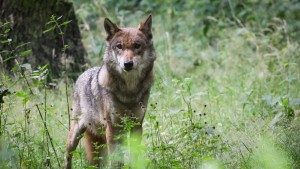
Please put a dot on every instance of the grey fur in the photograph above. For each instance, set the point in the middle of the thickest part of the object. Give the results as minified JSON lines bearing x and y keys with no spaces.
{"x":105,"y":94}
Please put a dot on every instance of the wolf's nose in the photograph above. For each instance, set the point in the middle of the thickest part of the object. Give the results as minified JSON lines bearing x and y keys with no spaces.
{"x":128,"y":65}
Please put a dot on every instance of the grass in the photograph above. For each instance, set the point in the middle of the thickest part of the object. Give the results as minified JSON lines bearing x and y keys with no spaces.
{"x":226,"y":102}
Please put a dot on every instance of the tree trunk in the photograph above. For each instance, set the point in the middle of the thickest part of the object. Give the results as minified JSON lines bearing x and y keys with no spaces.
{"x":28,"y":20}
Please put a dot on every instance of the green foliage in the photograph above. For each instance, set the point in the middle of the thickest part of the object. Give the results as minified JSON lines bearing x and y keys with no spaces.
{"x":226,"y":93}
{"x":9,"y":50}
{"x":268,"y":155}
{"x":54,"y":24}
{"x":182,"y":138}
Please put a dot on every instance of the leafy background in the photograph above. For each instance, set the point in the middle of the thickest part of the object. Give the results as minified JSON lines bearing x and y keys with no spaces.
{"x":226,"y":93}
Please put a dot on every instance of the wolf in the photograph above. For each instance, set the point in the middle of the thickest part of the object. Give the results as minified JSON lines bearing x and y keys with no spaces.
{"x":119,"y":88}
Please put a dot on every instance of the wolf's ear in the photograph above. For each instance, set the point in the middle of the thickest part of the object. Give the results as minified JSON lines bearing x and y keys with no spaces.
{"x":110,"y":28}
{"x":145,"y":27}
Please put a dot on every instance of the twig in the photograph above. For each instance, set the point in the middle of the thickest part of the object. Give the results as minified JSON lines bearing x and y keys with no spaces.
{"x":66,"y":80}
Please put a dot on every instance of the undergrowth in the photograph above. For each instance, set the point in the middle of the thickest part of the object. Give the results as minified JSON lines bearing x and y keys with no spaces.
{"x":228,"y":100}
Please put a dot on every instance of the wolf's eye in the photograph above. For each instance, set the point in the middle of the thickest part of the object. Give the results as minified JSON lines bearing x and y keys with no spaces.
{"x":136,"y":46}
{"x":119,"y":46}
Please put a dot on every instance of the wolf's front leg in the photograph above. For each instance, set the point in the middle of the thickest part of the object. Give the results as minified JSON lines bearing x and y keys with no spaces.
{"x":75,"y":134}
{"x":109,"y":137}
{"x":113,"y":145}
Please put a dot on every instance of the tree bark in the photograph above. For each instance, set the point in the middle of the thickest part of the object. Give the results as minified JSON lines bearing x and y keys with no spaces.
{"x":28,"y":20}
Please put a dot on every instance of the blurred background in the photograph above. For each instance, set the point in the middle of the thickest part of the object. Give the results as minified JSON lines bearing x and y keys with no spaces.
{"x":226,"y":93}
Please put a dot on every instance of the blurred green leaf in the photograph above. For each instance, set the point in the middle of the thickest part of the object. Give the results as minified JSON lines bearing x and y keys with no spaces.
{"x":4,"y":41}
{"x":49,"y":29}
{"x":65,"y":23}
{"x":25,"y":53}
{"x":7,"y":30}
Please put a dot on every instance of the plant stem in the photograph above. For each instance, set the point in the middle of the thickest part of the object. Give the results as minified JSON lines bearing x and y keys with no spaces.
{"x":40,"y":113}
{"x":66,"y":80}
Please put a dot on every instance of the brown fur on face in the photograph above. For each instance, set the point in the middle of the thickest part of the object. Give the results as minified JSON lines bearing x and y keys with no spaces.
{"x":128,"y":44}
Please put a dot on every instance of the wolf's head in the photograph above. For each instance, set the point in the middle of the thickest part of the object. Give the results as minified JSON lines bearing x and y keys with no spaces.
{"x":129,"y":49}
